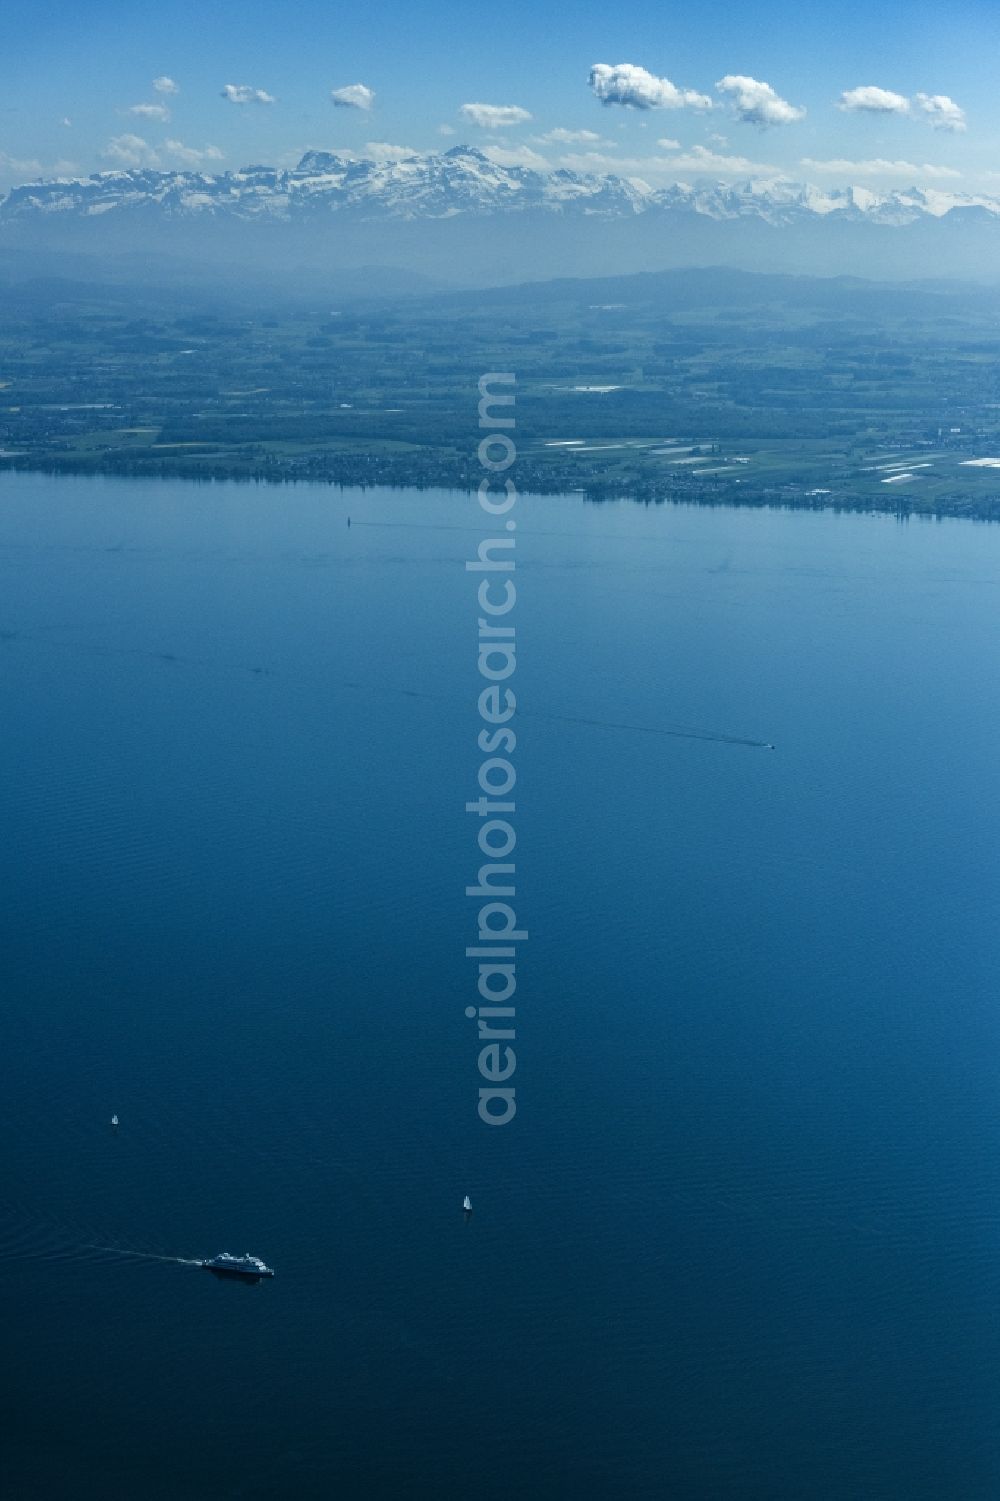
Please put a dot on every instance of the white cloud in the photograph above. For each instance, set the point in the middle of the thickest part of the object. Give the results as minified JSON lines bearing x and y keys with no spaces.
{"x":382,"y":151}
{"x":190,"y":155}
{"x":446,"y":130}
{"x":563,"y":137}
{"x":871,"y":100}
{"x":935,"y":109}
{"x":67,"y":122}
{"x":701,"y":159}
{"x":636,"y":88}
{"x":494,"y":116}
{"x":517,"y":156}
{"x":941,"y":112}
{"x":353,"y":96}
{"x":130,"y":151}
{"x":756,"y":103}
{"x":149,"y":111}
{"x":165,"y":85}
{"x":878,"y":167}
{"x":243,"y":93}
{"x":20,"y":168}
{"x":666,"y":143}
{"x":698,"y":160}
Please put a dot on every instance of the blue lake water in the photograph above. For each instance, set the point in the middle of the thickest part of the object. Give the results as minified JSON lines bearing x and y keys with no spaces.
{"x":742,"y":1239}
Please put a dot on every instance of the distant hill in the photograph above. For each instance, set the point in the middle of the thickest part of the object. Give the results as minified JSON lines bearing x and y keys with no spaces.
{"x":696,"y":288}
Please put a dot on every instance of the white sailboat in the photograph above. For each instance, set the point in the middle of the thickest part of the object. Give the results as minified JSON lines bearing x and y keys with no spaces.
{"x":467,"y":1204}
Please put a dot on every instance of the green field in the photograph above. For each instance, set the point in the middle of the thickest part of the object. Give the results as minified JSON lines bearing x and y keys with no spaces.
{"x":715,"y":387}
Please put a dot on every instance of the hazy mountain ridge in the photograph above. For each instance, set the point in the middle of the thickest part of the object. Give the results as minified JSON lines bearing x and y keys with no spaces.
{"x":460,"y":219}
{"x":461,"y":181}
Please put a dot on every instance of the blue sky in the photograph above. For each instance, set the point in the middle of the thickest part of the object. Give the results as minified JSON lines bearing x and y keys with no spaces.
{"x":73,"y":75}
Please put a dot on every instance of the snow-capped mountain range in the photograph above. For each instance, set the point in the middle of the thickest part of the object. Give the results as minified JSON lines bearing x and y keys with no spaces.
{"x":459,"y":182}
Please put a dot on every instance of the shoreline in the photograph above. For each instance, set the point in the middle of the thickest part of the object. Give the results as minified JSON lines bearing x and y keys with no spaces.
{"x":372,"y":473}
